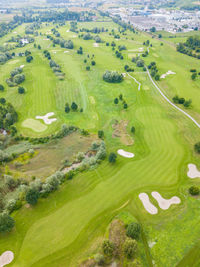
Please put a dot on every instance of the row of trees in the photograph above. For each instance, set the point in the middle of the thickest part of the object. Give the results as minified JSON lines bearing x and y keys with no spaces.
{"x":191,"y":47}
{"x":154,"y":70}
{"x":181,"y":100}
{"x":73,"y":107}
{"x":120,"y":99}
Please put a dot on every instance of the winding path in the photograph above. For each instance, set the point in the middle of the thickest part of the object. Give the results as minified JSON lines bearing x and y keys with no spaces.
{"x":139,"y":84}
{"x":185,"y":113}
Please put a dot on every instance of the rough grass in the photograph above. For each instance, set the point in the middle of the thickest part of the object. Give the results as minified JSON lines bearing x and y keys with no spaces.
{"x":60,"y":230}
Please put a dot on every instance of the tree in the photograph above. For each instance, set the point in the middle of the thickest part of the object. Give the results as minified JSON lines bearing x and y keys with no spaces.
{"x":2,"y":100}
{"x":74,"y":106}
{"x":133,"y":129}
{"x":153,"y":29}
{"x":159,"y":35}
{"x":194,"y":190}
{"x":101,"y":134}
{"x":108,"y":248}
{"x":1,"y":87}
{"x":6,"y":223}
{"x":157,"y":77}
{"x":181,"y":100}
{"x":67,"y":108}
{"x":93,"y":63}
{"x":197,"y":147}
{"x":39,"y":47}
{"x":140,"y":63}
{"x":130,"y":247}
{"x":32,"y":196}
{"x":193,"y":76}
{"x":112,"y":157}
{"x":87,"y":68}
{"x":116,"y":100}
{"x":133,"y":230}
{"x":21,"y":90}
{"x":121,"y":97}
{"x":125,"y":106}
{"x":29,"y":58}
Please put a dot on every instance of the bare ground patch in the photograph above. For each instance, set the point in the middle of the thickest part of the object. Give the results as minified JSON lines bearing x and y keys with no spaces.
{"x":120,"y":131}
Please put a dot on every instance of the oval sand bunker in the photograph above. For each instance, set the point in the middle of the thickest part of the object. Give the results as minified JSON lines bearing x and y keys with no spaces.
{"x":163,"y":203}
{"x":46,"y":118}
{"x":149,"y":207}
{"x":6,"y":258}
{"x":193,"y":171}
{"x":125,"y":154}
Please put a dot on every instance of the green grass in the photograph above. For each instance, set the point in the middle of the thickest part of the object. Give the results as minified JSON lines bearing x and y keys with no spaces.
{"x":60,"y":230}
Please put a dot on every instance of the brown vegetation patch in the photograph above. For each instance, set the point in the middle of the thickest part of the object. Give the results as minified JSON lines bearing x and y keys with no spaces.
{"x":120,"y":131}
{"x":88,"y":263}
{"x":117,"y":235}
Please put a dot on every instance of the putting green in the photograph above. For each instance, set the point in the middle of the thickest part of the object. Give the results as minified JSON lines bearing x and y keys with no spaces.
{"x":34,"y":125}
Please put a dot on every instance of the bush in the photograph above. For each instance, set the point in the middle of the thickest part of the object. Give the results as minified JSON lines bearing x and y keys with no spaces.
{"x":133,"y":129}
{"x":99,"y":259}
{"x":21,"y":90}
{"x":133,"y":230}
{"x":130,"y":247}
{"x":87,"y":68}
{"x":197,"y":147}
{"x":108,"y":248}
{"x":100,"y":134}
{"x":6,"y":223}
{"x":1,"y":87}
{"x":32,"y":196}
{"x":194,"y":190}
{"x":112,"y":157}
{"x":74,"y":106}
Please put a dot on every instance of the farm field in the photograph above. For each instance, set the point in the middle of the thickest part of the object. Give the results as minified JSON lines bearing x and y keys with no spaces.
{"x":69,"y":225}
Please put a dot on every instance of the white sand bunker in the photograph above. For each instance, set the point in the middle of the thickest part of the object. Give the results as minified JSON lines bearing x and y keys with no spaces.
{"x":66,"y":51}
{"x":95,"y":44}
{"x":125,"y":154}
{"x":163,"y":203}
{"x":193,"y":171}
{"x":46,"y":119}
{"x":163,"y":76}
{"x":22,"y":66}
{"x":45,"y":39}
{"x":149,"y":207}
{"x":6,"y":258}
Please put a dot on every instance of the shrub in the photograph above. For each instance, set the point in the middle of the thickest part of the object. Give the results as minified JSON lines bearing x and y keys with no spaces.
{"x":93,"y":63}
{"x":108,"y":248}
{"x":197,"y":147}
{"x":6,"y":223}
{"x":99,"y":259}
{"x":1,"y":87}
{"x":87,"y":68}
{"x":112,"y":157}
{"x":133,"y":129}
{"x":32,"y":196}
{"x":2,"y":100}
{"x":74,"y":106}
{"x":130,"y":247}
{"x":194,"y":190}
{"x":21,"y":90}
{"x":140,"y":63}
{"x":133,"y":230}
{"x":100,"y":134}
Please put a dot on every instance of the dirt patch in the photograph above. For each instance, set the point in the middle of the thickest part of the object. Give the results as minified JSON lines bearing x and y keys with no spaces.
{"x":88,"y":263}
{"x":117,"y":234}
{"x":120,"y":131}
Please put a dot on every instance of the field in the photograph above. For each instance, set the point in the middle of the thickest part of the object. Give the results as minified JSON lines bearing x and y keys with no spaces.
{"x":68,"y":226}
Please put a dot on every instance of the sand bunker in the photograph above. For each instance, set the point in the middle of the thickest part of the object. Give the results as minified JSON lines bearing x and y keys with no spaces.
{"x":95,"y":44}
{"x":66,"y":51}
{"x":169,"y":72}
{"x":67,"y":30}
{"x":120,"y":131}
{"x":163,"y":203}
{"x":46,"y":119}
{"x":6,"y":258}
{"x":125,"y":154}
{"x":149,"y":207}
{"x":22,"y":66}
{"x":45,"y":39}
{"x":193,"y":172}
